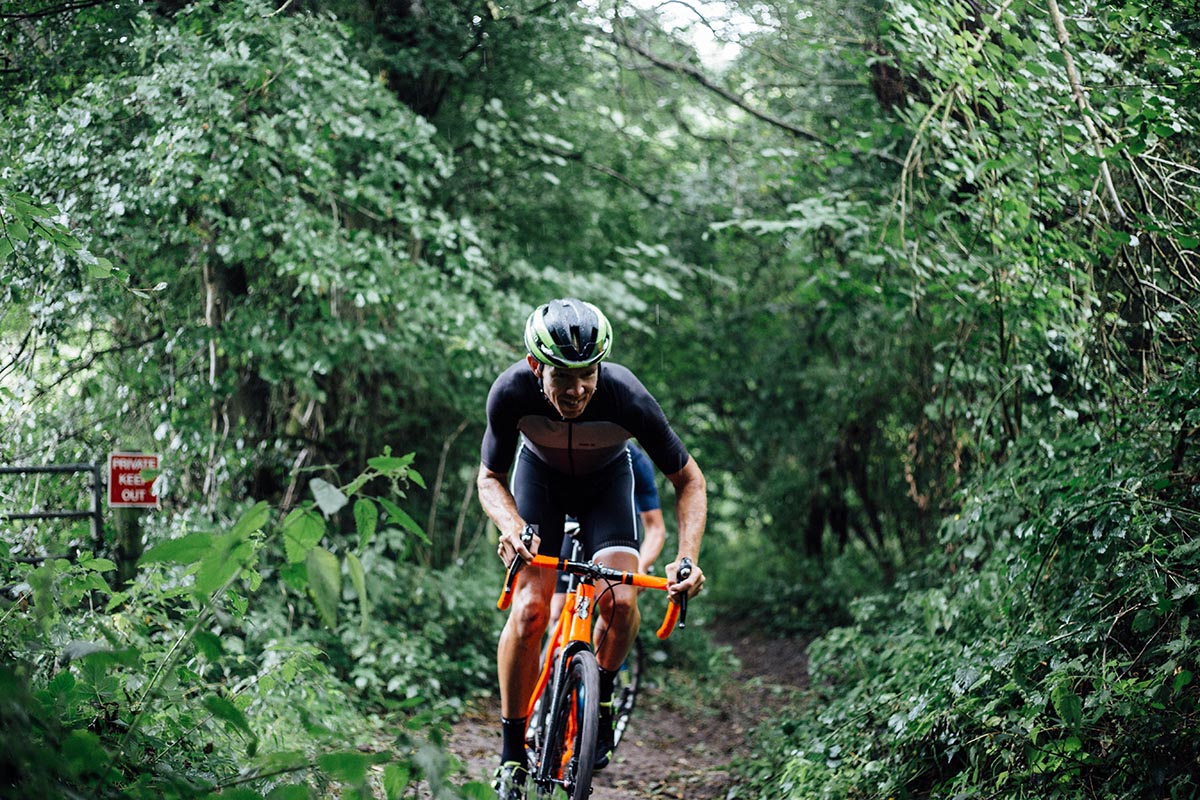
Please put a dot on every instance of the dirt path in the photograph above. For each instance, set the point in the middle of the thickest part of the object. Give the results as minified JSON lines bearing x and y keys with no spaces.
{"x":673,"y":750}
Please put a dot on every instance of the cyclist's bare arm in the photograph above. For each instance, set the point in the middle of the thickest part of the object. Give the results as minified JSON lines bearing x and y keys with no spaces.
{"x":691,"y":511}
{"x":498,"y":503}
{"x":654,"y":533}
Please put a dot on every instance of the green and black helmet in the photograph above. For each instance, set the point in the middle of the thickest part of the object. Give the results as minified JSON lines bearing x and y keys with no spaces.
{"x":568,"y":333}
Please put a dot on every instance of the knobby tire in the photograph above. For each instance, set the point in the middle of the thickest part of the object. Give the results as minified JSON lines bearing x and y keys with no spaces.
{"x":568,"y":745}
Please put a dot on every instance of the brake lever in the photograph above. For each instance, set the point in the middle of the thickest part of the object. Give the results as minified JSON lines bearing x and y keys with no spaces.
{"x":684,"y":572}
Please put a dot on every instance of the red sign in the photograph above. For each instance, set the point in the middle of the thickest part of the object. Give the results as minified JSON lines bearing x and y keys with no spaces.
{"x":126,"y":486}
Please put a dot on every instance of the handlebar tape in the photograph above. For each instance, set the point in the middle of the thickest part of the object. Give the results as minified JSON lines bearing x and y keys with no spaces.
{"x":506,"y":594}
{"x":677,"y":607}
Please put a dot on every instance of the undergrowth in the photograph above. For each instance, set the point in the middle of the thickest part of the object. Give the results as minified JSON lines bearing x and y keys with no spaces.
{"x":1047,"y":650}
{"x":253,"y":656}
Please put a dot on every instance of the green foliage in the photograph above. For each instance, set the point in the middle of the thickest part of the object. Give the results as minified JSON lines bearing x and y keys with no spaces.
{"x":1047,"y":650}
{"x":237,"y":162}
{"x":869,"y":256}
{"x":173,"y":687}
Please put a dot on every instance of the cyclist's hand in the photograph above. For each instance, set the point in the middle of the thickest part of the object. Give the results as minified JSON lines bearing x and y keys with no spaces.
{"x":691,"y":585}
{"x":512,"y":545}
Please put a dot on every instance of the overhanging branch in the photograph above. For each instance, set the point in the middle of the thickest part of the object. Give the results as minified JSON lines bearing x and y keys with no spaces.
{"x":703,"y":80}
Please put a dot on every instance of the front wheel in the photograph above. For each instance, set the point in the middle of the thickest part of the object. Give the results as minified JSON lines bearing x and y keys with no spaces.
{"x":568,"y":748}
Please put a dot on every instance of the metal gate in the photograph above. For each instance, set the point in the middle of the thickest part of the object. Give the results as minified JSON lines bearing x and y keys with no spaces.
{"x":94,"y":513}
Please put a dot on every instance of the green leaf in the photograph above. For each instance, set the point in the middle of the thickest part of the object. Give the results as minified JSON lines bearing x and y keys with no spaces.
{"x":1067,"y":705}
{"x":229,"y":554}
{"x":366,"y":519}
{"x":253,"y":520}
{"x":290,"y":791}
{"x":208,"y":644}
{"x":234,"y":793}
{"x":475,"y":790}
{"x":358,"y":577}
{"x":16,"y":231}
{"x":390,"y":463}
{"x":329,"y":497}
{"x":302,"y":529}
{"x":295,"y":575}
{"x":346,"y":766}
{"x":185,"y":550}
{"x":325,"y":583}
{"x":401,"y":517}
{"x":416,"y":478}
{"x":396,"y":778}
{"x":100,"y":268}
{"x":83,"y":754}
{"x":226,"y":711}
{"x":100,"y":565}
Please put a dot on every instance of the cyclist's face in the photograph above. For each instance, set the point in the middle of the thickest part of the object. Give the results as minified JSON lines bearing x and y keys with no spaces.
{"x":569,"y":390}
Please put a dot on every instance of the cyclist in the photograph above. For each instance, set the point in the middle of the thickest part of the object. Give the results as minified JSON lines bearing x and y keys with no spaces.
{"x":560,"y":421}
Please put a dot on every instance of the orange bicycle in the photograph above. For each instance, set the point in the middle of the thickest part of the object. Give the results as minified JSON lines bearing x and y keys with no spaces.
{"x":566,"y":698}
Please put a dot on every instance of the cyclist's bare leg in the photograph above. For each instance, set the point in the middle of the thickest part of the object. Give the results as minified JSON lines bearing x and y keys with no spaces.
{"x":619,"y":619}
{"x":517,"y":656}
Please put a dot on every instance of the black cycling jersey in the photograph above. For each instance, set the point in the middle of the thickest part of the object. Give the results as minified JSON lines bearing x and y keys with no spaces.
{"x":579,"y":467}
{"x":620,"y":409}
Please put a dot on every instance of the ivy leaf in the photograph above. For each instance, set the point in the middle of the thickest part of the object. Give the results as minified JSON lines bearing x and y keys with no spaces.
{"x":329,"y":497}
{"x":324,"y":583}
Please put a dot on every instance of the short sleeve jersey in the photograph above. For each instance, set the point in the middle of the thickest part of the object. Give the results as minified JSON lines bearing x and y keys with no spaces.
{"x":621,"y":409}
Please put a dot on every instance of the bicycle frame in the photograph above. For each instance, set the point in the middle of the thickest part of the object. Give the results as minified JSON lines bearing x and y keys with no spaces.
{"x":573,"y":629}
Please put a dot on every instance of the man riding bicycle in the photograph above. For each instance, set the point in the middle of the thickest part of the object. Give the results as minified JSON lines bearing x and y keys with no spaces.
{"x":560,"y":422}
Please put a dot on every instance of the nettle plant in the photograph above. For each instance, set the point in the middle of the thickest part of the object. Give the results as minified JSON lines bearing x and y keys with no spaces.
{"x":154,"y":692}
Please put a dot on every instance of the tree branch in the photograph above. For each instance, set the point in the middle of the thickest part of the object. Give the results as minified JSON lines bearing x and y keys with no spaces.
{"x":1084,"y":108}
{"x":703,"y":80}
{"x":50,"y":11}
{"x":86,"y":363}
